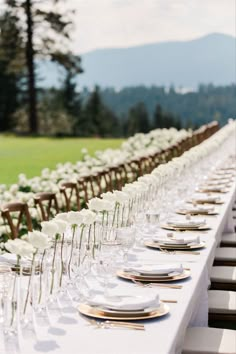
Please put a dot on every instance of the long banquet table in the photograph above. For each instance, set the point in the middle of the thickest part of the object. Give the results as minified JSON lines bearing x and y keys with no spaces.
{"x":72,"y":334}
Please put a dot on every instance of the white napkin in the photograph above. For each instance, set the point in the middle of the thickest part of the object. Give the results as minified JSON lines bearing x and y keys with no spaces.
{"x":208,"y":198}
{"x":200,"y":208}
{"x":155,"y":269}
{"x":186,"y":223}
{"x":178,"y":240}
{"x":126,"y":303}
{"x":213,"y":188}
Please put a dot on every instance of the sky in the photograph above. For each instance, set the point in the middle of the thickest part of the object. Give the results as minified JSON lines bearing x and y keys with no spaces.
{"x":125,"y":23}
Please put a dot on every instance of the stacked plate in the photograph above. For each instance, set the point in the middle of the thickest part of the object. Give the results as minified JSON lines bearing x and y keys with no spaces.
{"x":176,"y":243}
{"x":205,"y":199}
{"x":212,"y":189}
{"x":127,"y":307}
{"x":196,"y":210}
{"x":182,"y":225}
{"x":155,"y":273}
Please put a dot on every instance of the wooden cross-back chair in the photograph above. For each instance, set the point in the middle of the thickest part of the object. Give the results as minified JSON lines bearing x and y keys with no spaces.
{"x":103,"y":181}
{"x":70,"y":190}
{"x":47,"y":203}
{"x":23,"y":219}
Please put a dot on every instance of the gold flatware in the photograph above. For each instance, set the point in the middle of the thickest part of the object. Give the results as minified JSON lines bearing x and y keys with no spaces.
{"x":179,"y":252}
{"x":116,"y":324}
{"x":169,"y":301}
{"x":160,"y":285}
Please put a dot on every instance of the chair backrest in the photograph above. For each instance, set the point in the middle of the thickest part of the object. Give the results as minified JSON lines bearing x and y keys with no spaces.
{"x":23,"y":218}
{"x":70,"y":190}
{"x":47,"y":203}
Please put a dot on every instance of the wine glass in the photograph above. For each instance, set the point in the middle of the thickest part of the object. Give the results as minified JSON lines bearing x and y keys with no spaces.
{"x":126,"y":238}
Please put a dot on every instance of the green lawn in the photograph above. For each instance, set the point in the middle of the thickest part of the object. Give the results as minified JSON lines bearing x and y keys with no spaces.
{"x":31,"y":155}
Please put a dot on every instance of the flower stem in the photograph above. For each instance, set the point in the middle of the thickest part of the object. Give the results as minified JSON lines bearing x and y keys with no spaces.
{"x":72,"y":247}
{"x":40,"y":277}
{"x":29,"y":283}
{"x":62,"y":263}
{"x":53,"y":263}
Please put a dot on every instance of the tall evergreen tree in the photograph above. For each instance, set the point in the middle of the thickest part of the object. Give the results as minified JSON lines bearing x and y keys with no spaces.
{"x":158,"y":117}
{"x":138,"y":120}
{"x":70,"y":96}
{"x":46,"y":31}
{"x":11,"y":68}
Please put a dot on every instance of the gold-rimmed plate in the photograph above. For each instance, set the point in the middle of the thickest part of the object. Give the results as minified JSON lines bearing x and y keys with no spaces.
{"x":185,"y":228}
{"x":143,"y":278}
{"x":196,"y":212}
{"x":205,"y":201}
{"x":173,"y":247}
{"x":212,"y":190}
{"x":95,"y":312}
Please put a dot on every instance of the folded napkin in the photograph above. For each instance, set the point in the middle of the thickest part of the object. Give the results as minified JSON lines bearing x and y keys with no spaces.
{"x":125,"y":303}
{"x":208,"y":198}
{"x":178,"y":240}
{"x":213,"y":188}
{"x":155,"y":269}
{"x":186,"y":223}
{"x":198,"y":208}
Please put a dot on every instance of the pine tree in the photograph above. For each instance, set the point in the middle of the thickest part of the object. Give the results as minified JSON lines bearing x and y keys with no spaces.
{"x":46,"y":30}
{"x":11,"y":68}
{"x":138,"y":120}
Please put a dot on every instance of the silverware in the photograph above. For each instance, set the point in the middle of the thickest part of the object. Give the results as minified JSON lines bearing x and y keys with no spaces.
{"x":116,"y":324}
{"x":178,"y":252}
{"x":160,"y":285}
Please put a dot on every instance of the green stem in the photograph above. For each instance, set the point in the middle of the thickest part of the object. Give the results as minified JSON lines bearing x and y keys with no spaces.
{"x":94,"y":239}
{"x":72,"y":247}
{"x":40,"y":277}
{"x":103,"y":217}
{"x":12,"y":299}
{"x":29,"y":283}
{"x":122,"y":216}
{"x":114,"y":215}
{"x":81,"y":239}
{"x":118,"y":214}
{"x":53,"y":263}
{"x":62,"y":263}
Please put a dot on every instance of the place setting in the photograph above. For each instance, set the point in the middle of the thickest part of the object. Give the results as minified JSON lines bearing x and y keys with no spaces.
{"x":154,"y":273}
{"x":196,"y":209}
{"x":205,"y":198}
{"x":187,"y":224}
{"x":124,"y":308}
{"x":206,"y":188}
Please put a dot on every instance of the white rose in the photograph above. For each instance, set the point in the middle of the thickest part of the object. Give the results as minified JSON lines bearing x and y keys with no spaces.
{"x":74,"y":217}
{"x":39,"y":240}
{"x":109,"y":196}
{"x":14,"y":188}
{"x":89,"y":216}
{"x":97,"y":204}
{"x":20,"y":247}
{"x":121,"y":197}
{"x":50,"y":228}
{"x":61,"y":216}
{"x":62,"y":225}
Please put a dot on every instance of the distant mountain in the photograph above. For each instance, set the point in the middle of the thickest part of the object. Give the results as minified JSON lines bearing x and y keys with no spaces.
{"x":209,"y":59}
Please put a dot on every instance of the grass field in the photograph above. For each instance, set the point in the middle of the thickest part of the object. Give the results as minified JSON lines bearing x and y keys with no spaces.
{"x":31,"y":155}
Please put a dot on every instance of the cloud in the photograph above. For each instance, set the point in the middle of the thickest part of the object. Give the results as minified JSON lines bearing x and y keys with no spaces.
{"x":122,"y":23}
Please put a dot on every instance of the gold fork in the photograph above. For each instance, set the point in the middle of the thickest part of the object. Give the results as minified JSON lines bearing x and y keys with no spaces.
{"x":160,"y":285}
{"x":179,"y":252}
{"x":116,"y":324}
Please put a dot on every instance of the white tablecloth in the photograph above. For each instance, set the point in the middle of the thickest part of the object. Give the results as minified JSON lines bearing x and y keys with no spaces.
{"x":71,"y":333}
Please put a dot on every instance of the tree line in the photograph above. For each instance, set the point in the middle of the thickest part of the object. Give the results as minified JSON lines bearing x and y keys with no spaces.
{"x":32,"y":30}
